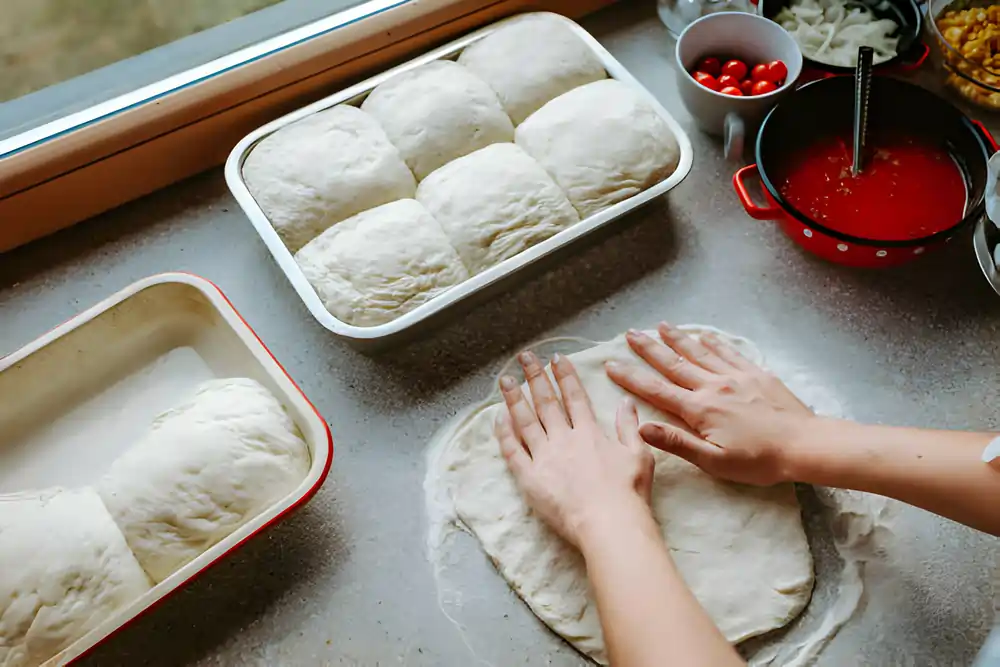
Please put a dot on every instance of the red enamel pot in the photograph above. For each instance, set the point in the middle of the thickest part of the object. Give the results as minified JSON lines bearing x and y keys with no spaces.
{"x":826,"y":105}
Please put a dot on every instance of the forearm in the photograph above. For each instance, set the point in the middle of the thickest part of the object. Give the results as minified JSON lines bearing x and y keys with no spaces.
{"x":649,"y":616}
{"x":940,"y":471}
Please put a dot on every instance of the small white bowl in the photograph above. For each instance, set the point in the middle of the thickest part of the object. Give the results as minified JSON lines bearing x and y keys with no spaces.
{"x":751,"y":38}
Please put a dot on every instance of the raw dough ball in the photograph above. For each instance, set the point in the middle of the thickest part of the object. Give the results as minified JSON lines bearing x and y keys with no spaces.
{"x":602,"y":143}
{"x":531,"y":61}
{"x":64,"y":570}
{"x":494,"y":203}
{"x":204,"y":469}
{"x":380,"y":264}
{"x":324,"y":169}
{"x":741,"y":549}
{"x":438,"y":112}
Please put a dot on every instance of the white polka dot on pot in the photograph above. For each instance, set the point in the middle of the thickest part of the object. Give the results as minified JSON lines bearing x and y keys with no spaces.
{"x":808,"y":233}
{"x":918,"y":251}
{"x":881,"y":253}
{"x":842,"y":247}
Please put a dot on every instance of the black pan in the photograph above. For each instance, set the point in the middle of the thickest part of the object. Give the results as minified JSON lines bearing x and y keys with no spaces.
{"x":912,"y":51}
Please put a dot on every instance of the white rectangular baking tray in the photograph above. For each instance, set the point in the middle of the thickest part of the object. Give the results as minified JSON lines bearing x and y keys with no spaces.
{"x":355,"y":95}
{"x":77,"y":397}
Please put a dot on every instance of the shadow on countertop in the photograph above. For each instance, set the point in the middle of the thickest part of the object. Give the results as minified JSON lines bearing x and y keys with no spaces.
{"x":499,"y":324}
{"x":231,"y":595}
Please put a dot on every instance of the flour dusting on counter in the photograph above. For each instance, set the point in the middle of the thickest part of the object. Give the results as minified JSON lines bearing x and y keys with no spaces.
{"x":856,"y":520}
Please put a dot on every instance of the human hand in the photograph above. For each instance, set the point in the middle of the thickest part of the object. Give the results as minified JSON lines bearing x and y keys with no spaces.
{"x":572,"y":475}
{"x":746,"y":420}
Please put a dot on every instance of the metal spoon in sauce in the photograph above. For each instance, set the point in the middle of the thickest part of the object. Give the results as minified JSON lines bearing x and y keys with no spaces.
{"x":862,"y":87}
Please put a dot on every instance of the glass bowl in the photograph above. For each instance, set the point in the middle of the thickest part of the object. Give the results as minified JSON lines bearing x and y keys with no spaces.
{"x":970,"y":69}
{"x":679,"y":14}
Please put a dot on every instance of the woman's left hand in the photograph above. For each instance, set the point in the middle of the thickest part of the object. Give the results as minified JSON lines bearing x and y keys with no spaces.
{"x":594,"y":491}
{"x":577,"y":479}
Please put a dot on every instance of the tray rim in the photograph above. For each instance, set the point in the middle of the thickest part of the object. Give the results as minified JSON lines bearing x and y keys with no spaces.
{"x":318,"y":471}
{"x":286,"y":262}
{"x":983,"y":254}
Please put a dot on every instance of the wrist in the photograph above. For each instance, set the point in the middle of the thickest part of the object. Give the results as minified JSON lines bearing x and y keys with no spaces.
{"x":610,"y":522}
{"x":797,"y":449}
{"x":809,"y":457}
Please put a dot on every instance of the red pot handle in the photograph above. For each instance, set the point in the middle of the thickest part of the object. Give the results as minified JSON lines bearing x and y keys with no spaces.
{"x":986,"y":134}
{"x":754,"y":211}
{"x":925,"y":51}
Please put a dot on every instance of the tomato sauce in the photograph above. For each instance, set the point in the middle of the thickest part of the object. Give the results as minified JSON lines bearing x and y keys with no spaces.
{"x":908,"y":188}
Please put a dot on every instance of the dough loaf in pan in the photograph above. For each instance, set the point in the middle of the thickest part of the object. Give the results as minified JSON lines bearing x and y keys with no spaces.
{"x":323,"y":169}
{"x":64,"y":569}
{"x":428,"y":183}
{"x":438,"y":112}
{"x":530,"y":61}
{"x":494,"y":203}
{"x":380,"y":264}
{"x":202,"y":470}
{"x":602,"y":143}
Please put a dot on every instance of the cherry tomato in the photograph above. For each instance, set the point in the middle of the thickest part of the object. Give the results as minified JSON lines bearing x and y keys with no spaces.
{"x":707,"y":80}
{"x":710,"y":66}
{"x":732,"y":90}
{"x":727,"y":80}
{"x":764,"y":87}
{"x":735,"y":68}
{"x":760,"y":73}
{"x":746,"y":86}
{"x":777,"y":71}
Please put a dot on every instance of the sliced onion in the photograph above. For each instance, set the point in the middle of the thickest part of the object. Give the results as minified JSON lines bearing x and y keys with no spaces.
{"x":830,"y":31}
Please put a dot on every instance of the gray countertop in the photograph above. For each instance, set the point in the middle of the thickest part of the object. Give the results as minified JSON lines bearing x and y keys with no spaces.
{"x":345,"y":580}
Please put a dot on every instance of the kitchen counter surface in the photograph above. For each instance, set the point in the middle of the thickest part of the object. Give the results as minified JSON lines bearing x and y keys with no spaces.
{"x":345,"y":580}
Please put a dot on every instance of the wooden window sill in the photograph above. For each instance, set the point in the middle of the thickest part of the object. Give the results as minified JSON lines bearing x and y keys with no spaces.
{"x":53,"y":177}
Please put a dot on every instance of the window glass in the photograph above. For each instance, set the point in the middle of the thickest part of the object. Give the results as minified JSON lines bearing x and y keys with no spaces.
{"x":43,"y":42}
{"x":61,"y":56}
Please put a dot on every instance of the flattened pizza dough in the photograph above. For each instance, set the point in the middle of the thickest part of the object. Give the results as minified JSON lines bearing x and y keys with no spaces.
{"x":530,"y":61}
{"x":382,"y":263}
{"x":64,"y":570}
{"x":602,"y":143}
{"x":323,"y":169}
{"x":494,"y":203}
{"x":438,"y":112}
{"x":741,"y":549}
{"x":202,"y":470}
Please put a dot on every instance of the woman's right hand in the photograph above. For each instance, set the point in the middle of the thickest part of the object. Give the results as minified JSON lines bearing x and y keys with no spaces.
{"x":745,"y":424}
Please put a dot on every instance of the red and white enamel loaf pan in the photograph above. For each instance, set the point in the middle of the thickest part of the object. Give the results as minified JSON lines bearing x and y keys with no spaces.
{"x":77,"y":397}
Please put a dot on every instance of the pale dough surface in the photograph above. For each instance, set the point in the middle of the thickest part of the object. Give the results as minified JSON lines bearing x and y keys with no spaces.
{"x":494,"y":203}
{"x":530,"y":61}
{"x":323,"y":169}
{"x":64,"y":570}
{"x":380,"y":264}
{"x":203,"y":469}
{"x":602,"y":143}
{"x":438,"y":112}
{"x":741,"y":549}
